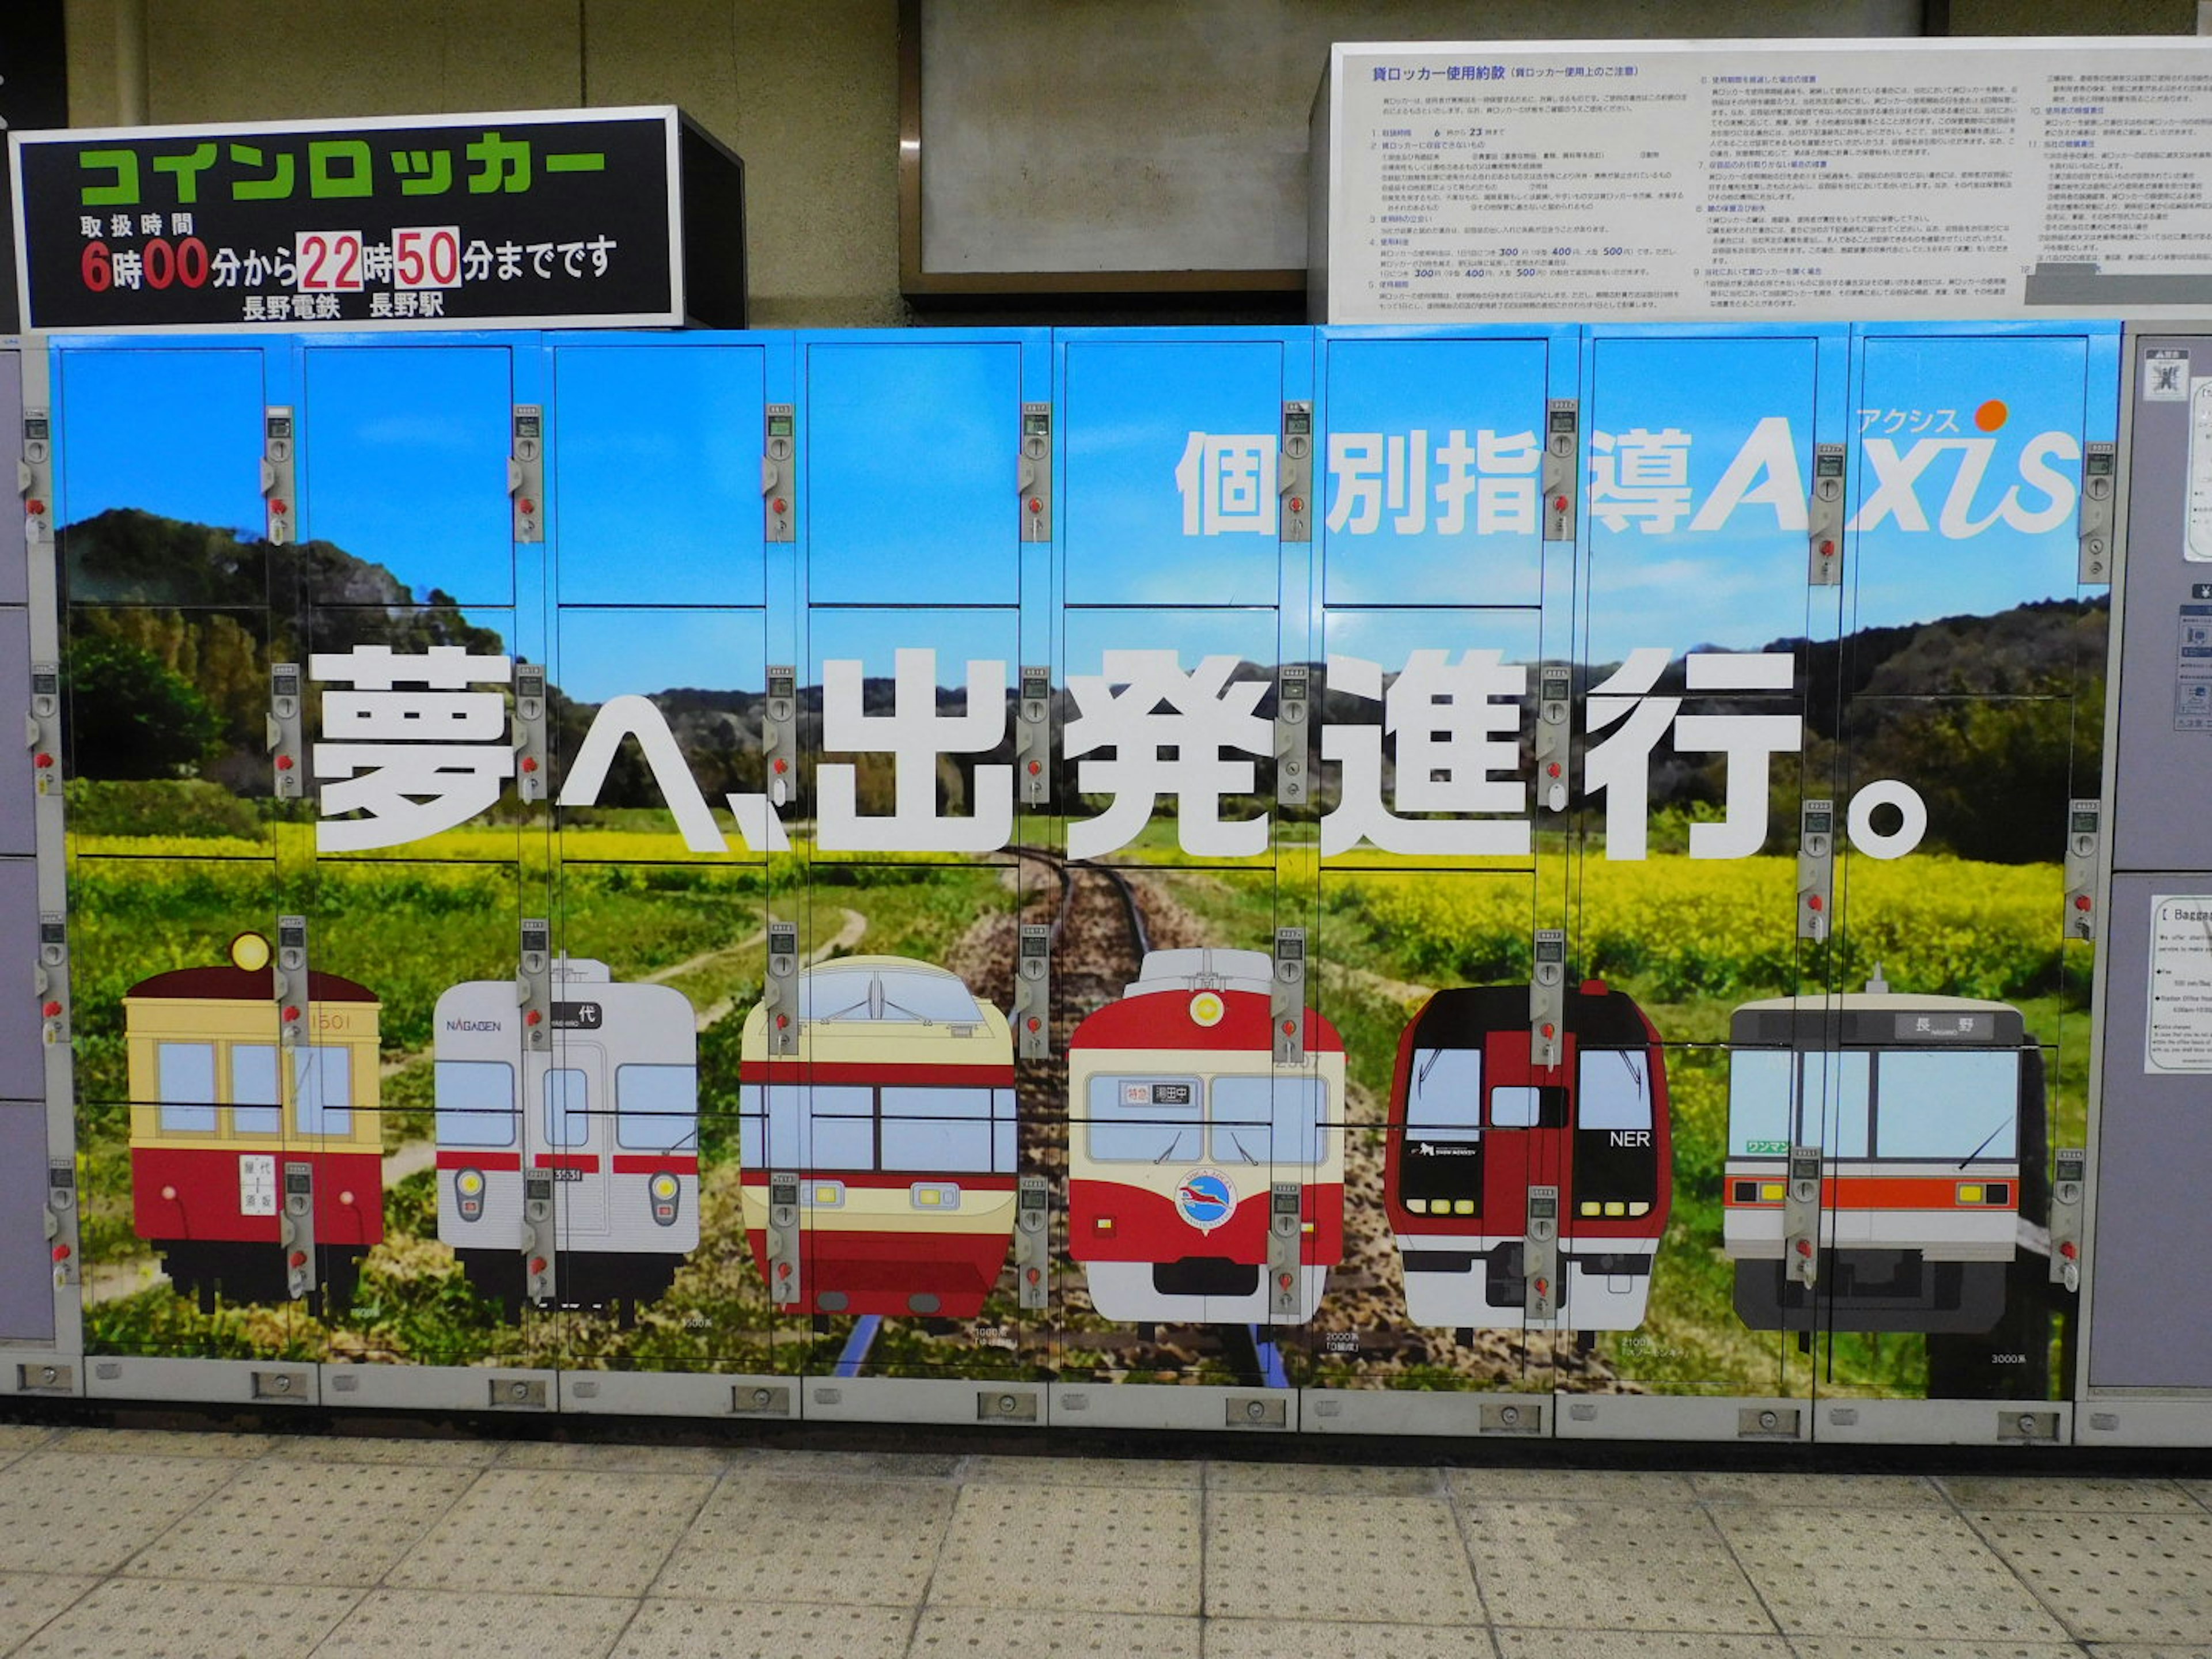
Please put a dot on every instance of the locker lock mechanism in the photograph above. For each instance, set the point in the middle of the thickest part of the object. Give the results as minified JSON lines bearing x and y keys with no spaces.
{"x":1033,"y":736}
{"x":1033,"y":992}
{"x":1555,"y":696}
{"x":279,"y":470}
{"x":287,"y":730}
{"x":1816,"y":869}
{"x":1800,"y":1217}
{"x":2099,"y":480}
{"x":2069,"y":1188}
{"x":51,"y":980}
{"x":1288,"y":997}
{"x":1539,"y":1257}
{"x":533,"y":983}
{"x":1548,"y":997}
{"x":1033,"y":472}
{"x":525,"y":472}
{"x":61,"y":1221}
{"x":779,"y":474}
{"x":34,"y":477}
{"x":1294,"y":473}
{"x":538,"y":1240}
{"x":289,"y":980}
{"x":2084,"y":821}
{"x":530,"y":731}
{"x":779,"y":735}
{"x":42,"y":729}
{"x":1033,"y":1240}
{"x":1293,"y":711}
{"x":1285,"y":1248}
{"x":1824,"y":546}
{"x":1561,"y":480}
{"x":780,"y":996}
{"x":295,"y":1227}
{"x":785,"y":1290}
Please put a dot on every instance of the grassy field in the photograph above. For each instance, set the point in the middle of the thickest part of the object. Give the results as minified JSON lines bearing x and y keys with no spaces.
{"x":1688,"y":939}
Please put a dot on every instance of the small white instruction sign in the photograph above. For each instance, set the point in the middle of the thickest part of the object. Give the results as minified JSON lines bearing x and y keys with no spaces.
{"x":2179,"y":1036}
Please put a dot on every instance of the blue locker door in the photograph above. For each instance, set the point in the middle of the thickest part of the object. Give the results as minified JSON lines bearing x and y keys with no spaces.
{"x":911,"y":491}
{"x":1433,"y":467}
{"x":405,"y":469}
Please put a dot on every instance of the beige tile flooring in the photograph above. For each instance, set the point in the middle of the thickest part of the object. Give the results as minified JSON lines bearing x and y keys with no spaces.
{"x":134,"y":1544}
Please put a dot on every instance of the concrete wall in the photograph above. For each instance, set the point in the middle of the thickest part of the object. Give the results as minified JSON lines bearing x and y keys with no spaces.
{"x":806,"y":90}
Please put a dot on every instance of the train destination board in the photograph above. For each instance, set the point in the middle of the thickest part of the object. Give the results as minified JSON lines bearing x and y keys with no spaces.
{"x":1670,"y":181}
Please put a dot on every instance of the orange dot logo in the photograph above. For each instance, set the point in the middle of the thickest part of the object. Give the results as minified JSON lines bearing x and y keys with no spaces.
{"x":1991,"y":414}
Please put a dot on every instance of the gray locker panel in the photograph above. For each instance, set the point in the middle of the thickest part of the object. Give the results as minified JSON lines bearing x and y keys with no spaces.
{"x":27,"y":1292}
{"x":2162,"y":795}
{"x":17,"y":833}
{"x":14,"y":577}
{"x":2151,"y":1314}
{"x":22,"y":1057}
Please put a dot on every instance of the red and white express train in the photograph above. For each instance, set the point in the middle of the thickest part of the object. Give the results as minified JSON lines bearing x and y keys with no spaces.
{"x":895,"y":1119}
{"x":1474,"y":1124}
{"x":609,"y":1108}
{"x":1180,"y":1124}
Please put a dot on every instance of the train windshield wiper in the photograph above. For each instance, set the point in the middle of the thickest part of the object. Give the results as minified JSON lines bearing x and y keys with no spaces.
{"x":1986,"y":1139}
{"x":1237,"y":1141}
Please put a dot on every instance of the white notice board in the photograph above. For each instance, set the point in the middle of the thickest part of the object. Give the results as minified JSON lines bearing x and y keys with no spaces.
{"x":1731,"y":179}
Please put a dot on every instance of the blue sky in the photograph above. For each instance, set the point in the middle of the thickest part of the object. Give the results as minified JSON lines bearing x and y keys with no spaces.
{"x":909,"y":484}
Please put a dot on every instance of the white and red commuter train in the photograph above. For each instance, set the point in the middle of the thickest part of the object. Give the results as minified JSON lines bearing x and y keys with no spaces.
{"x":610,"y":1109}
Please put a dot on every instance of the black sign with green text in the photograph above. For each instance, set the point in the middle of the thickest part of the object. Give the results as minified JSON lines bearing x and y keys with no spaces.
{"x":559,"y":218}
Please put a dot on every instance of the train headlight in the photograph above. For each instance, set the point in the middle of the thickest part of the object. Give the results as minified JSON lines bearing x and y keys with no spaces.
{"x":1639,"y":1206}
{"x":935,"y":1195}
{"x":469,"y":1194}
{"x":1970,"y":1192}
{"x":662,"y":1192}
{"x":1206,"y":1008}
{"x":1417,"y":1205}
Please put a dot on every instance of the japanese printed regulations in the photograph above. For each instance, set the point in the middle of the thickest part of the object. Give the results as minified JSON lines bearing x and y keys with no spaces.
{"x":1740,"y":180}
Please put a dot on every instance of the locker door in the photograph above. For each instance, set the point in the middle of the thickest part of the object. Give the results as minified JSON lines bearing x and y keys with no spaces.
{"x":164,"y":516}
{"x":925,"y":570}
{"x":1972,"y":691}
{"x":662,"y":570}
{"x":1442,"y":589}
{"x":421,"y":593}
{"x":1704,"y":697}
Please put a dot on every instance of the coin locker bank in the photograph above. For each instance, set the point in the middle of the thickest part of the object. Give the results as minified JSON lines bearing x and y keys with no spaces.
{"x":1567,"y":881}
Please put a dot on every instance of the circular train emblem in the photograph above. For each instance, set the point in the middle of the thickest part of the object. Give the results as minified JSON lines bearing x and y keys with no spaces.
{"x":1205,"y":1199}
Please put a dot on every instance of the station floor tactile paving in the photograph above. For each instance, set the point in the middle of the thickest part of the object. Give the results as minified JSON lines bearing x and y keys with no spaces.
{"x":141,"y":1544}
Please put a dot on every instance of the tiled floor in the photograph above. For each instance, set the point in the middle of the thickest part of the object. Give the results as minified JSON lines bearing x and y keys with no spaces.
{"x":134,"y":1544}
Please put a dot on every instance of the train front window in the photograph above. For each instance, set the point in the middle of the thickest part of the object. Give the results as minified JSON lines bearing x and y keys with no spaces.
{"x":1835,"y":1098}
{"x":255,"y":1103}
{"x":1948,"y":1106}
{"x":567,"y":1105}
{"x":1443,"y":1095}
{"x":1520,"y":1106}
{"x":1146,"y":1120}
{"x":1614,"y":1090}
{"x":951,"y":1129}
{"x":886,"y":994}
{"x":656,"y":1106}
{"x":841,"y":1124}
{"x":184,"y":1079}
{"x":322,"y":1091}
{"x":1759,"y":1102}
{"x":476,"y":1103}
{"x":1268,"y":1120}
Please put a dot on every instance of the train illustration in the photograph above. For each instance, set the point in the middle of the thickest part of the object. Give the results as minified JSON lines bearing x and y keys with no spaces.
{"x":892,"y":1123}
{"x":1180,"y":1125}
{"x":238,"y":1103}
{"x":1922,"y":1108}
{"x":1474,"y":1124}
{"x":609,"y":1108}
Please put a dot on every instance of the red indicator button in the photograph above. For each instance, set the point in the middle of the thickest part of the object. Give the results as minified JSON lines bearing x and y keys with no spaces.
{"x":534,"y":1018}
{"x":2081,"y":902}
{"x":537,"y":1264}
{"x":530,"y":762}
{"x":277,"y":508}
{"x":1550,"y":1030}
{"x":1543,"y":1287}
{"x":291,"y":1013}
{"x":1289,"y":1026}
{"x":44,"y":759}
{"x":782,"y":1020}
{"x":1827,"y":550}
{"x":527,"y":505}
{"x":298,"y":1258}
{"x":783,"y":1270}
{"x":1284,"y":1280}
{"x":1558,"y":503}
{"x":1035,"y":1024}
{"x":2070,"y":1250}
{"x":1035,"y":506}
{"x":1552,"y":771}
{"x":1804,"y":1247}
{"x":1036,"y":1274}
{"x":284,"y":763}
{"x":61,"y":1252}
{"x":35,"y":508}
{"x":780,"y":505}
{"x":1815,"y":902}
{"x":52,"y":1009}
{"x":781,"y":766}
{"x":1035,"y":767}
{"x":1298,"y":503}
